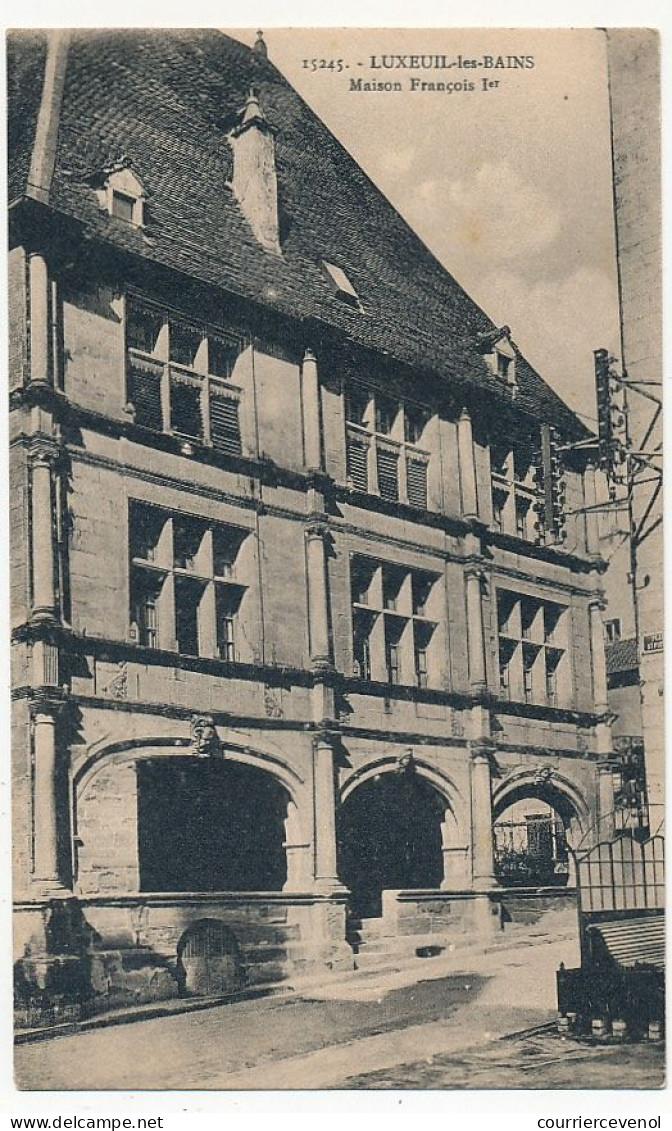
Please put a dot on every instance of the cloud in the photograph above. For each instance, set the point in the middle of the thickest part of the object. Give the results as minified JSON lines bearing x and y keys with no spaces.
{"x":492,"y":216}
{"x":557,"y":324}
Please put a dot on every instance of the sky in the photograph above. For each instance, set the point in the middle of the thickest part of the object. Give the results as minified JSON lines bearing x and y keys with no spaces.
{"x":509,"y":187}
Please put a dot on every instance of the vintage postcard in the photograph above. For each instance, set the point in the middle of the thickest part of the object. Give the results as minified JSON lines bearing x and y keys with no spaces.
{"x":336,"y":558}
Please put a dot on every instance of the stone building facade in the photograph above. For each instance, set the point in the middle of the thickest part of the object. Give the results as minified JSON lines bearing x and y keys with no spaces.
{"x":287,"y":640}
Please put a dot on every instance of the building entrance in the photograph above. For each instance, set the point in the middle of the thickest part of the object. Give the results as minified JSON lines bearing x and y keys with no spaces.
{"x":389,"y":837}
{"x":209,"y":825}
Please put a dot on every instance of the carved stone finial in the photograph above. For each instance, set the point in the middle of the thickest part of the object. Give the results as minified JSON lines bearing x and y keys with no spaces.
{"x":204,"y":739}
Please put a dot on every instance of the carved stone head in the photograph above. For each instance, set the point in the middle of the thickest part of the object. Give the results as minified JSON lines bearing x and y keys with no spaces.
{"x":204,"y":738}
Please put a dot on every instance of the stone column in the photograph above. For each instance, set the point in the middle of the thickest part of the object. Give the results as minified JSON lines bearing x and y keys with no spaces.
{"x":326,"y":870}
{"x":465,"y":451}
{"x":44,"y":593}
{"x":598,"y":659}
{"x":476,"y":639}
{"x":590,"y":500}
{"x":38,"y":275}
{"x":45,"y":811}
{"x":318,"y":607}
{"x":482,"y":840}
{"x":311,"y":412}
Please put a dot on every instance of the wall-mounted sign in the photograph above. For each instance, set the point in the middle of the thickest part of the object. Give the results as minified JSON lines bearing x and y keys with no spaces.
{"x":652,"y":642}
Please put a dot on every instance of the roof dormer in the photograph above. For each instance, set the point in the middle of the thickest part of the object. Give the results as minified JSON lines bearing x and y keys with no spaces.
{"x":500,"y":355}
{"x":122,"y":194}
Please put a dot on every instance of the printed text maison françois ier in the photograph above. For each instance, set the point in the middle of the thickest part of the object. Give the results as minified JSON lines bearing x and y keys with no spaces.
{"x":388,"y":71}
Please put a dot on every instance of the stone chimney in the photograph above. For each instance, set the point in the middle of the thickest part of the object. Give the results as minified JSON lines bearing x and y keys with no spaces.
{"x":254,"y":178}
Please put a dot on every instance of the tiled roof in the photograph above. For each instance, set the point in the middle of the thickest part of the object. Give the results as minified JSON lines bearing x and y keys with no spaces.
{"x":622,"y":656}
{"x":166,"y":99}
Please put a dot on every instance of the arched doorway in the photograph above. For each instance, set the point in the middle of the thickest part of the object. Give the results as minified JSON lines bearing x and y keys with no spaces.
{"x":210,"y":825}
{"x":389,"y":837}
{"x":535,"y":824}
{"x":209,"y":961}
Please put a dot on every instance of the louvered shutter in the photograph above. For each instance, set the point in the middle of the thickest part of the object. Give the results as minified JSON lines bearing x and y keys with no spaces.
{"x":224,"y":423}
{"x":357,"y":464}
{"x":416,"y":482}
{"x":144,"y":393}
{"x":185,"y":406}
{"x":388,"y":474}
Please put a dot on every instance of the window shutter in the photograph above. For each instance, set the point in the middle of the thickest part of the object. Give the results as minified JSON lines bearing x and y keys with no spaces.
{"x":185,"y":406}
{"x":416,"y":482}
{"x":224,"y":423}
{"x":388,"y":474}
{"x":357,"y":464}
{"x":144,"y":393}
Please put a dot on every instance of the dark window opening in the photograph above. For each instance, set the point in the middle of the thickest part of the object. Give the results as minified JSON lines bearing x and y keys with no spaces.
{"x":184,"y":344}
{"x":145,"y":528}
{"x":393,"y":580}
{"x":422,"y":636}
{"x":226,"y":544}
{"x":386,"y":414}
{"x":187,"y":538}
{"x":362,"y":648}
{"x":143,"y":326}
{"x":145,"y":590}
{"x":357,"y":407}
{"x":415,"y":422}
{"x":222,"y":356}
{"x":421,"y":589}
{"x":227,"y":602}
{"x":188,"y":593}
{"x":209,"y":825}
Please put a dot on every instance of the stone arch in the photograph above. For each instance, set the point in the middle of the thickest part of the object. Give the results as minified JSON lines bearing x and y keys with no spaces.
{"x":442,"y":783}
{"x":154,"y":747}
{"x":545,"y":784}
{"x":555,"y":835}
{"x":399,"y":826}
{"x":115,"y":769}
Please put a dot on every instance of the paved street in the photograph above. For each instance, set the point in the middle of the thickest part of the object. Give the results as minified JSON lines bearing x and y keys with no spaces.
{"x":396,"y":1031}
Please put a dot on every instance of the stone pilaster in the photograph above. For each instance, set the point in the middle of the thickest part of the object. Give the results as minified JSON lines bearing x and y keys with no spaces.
{"x":476,"y":639}
{"x":47,"y":874}
{"x":482,"y":839}
{"x":318,"y":599}
{"x":42,"y":533}
{"x":465,"y":451}
{"x":38,"y":282}
{"x":311,"y":412}
{"x":598,"y":658}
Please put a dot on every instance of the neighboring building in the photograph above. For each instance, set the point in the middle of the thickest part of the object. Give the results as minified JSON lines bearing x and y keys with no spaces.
{"x":634,"y":86}
{"x":287,"y":638}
